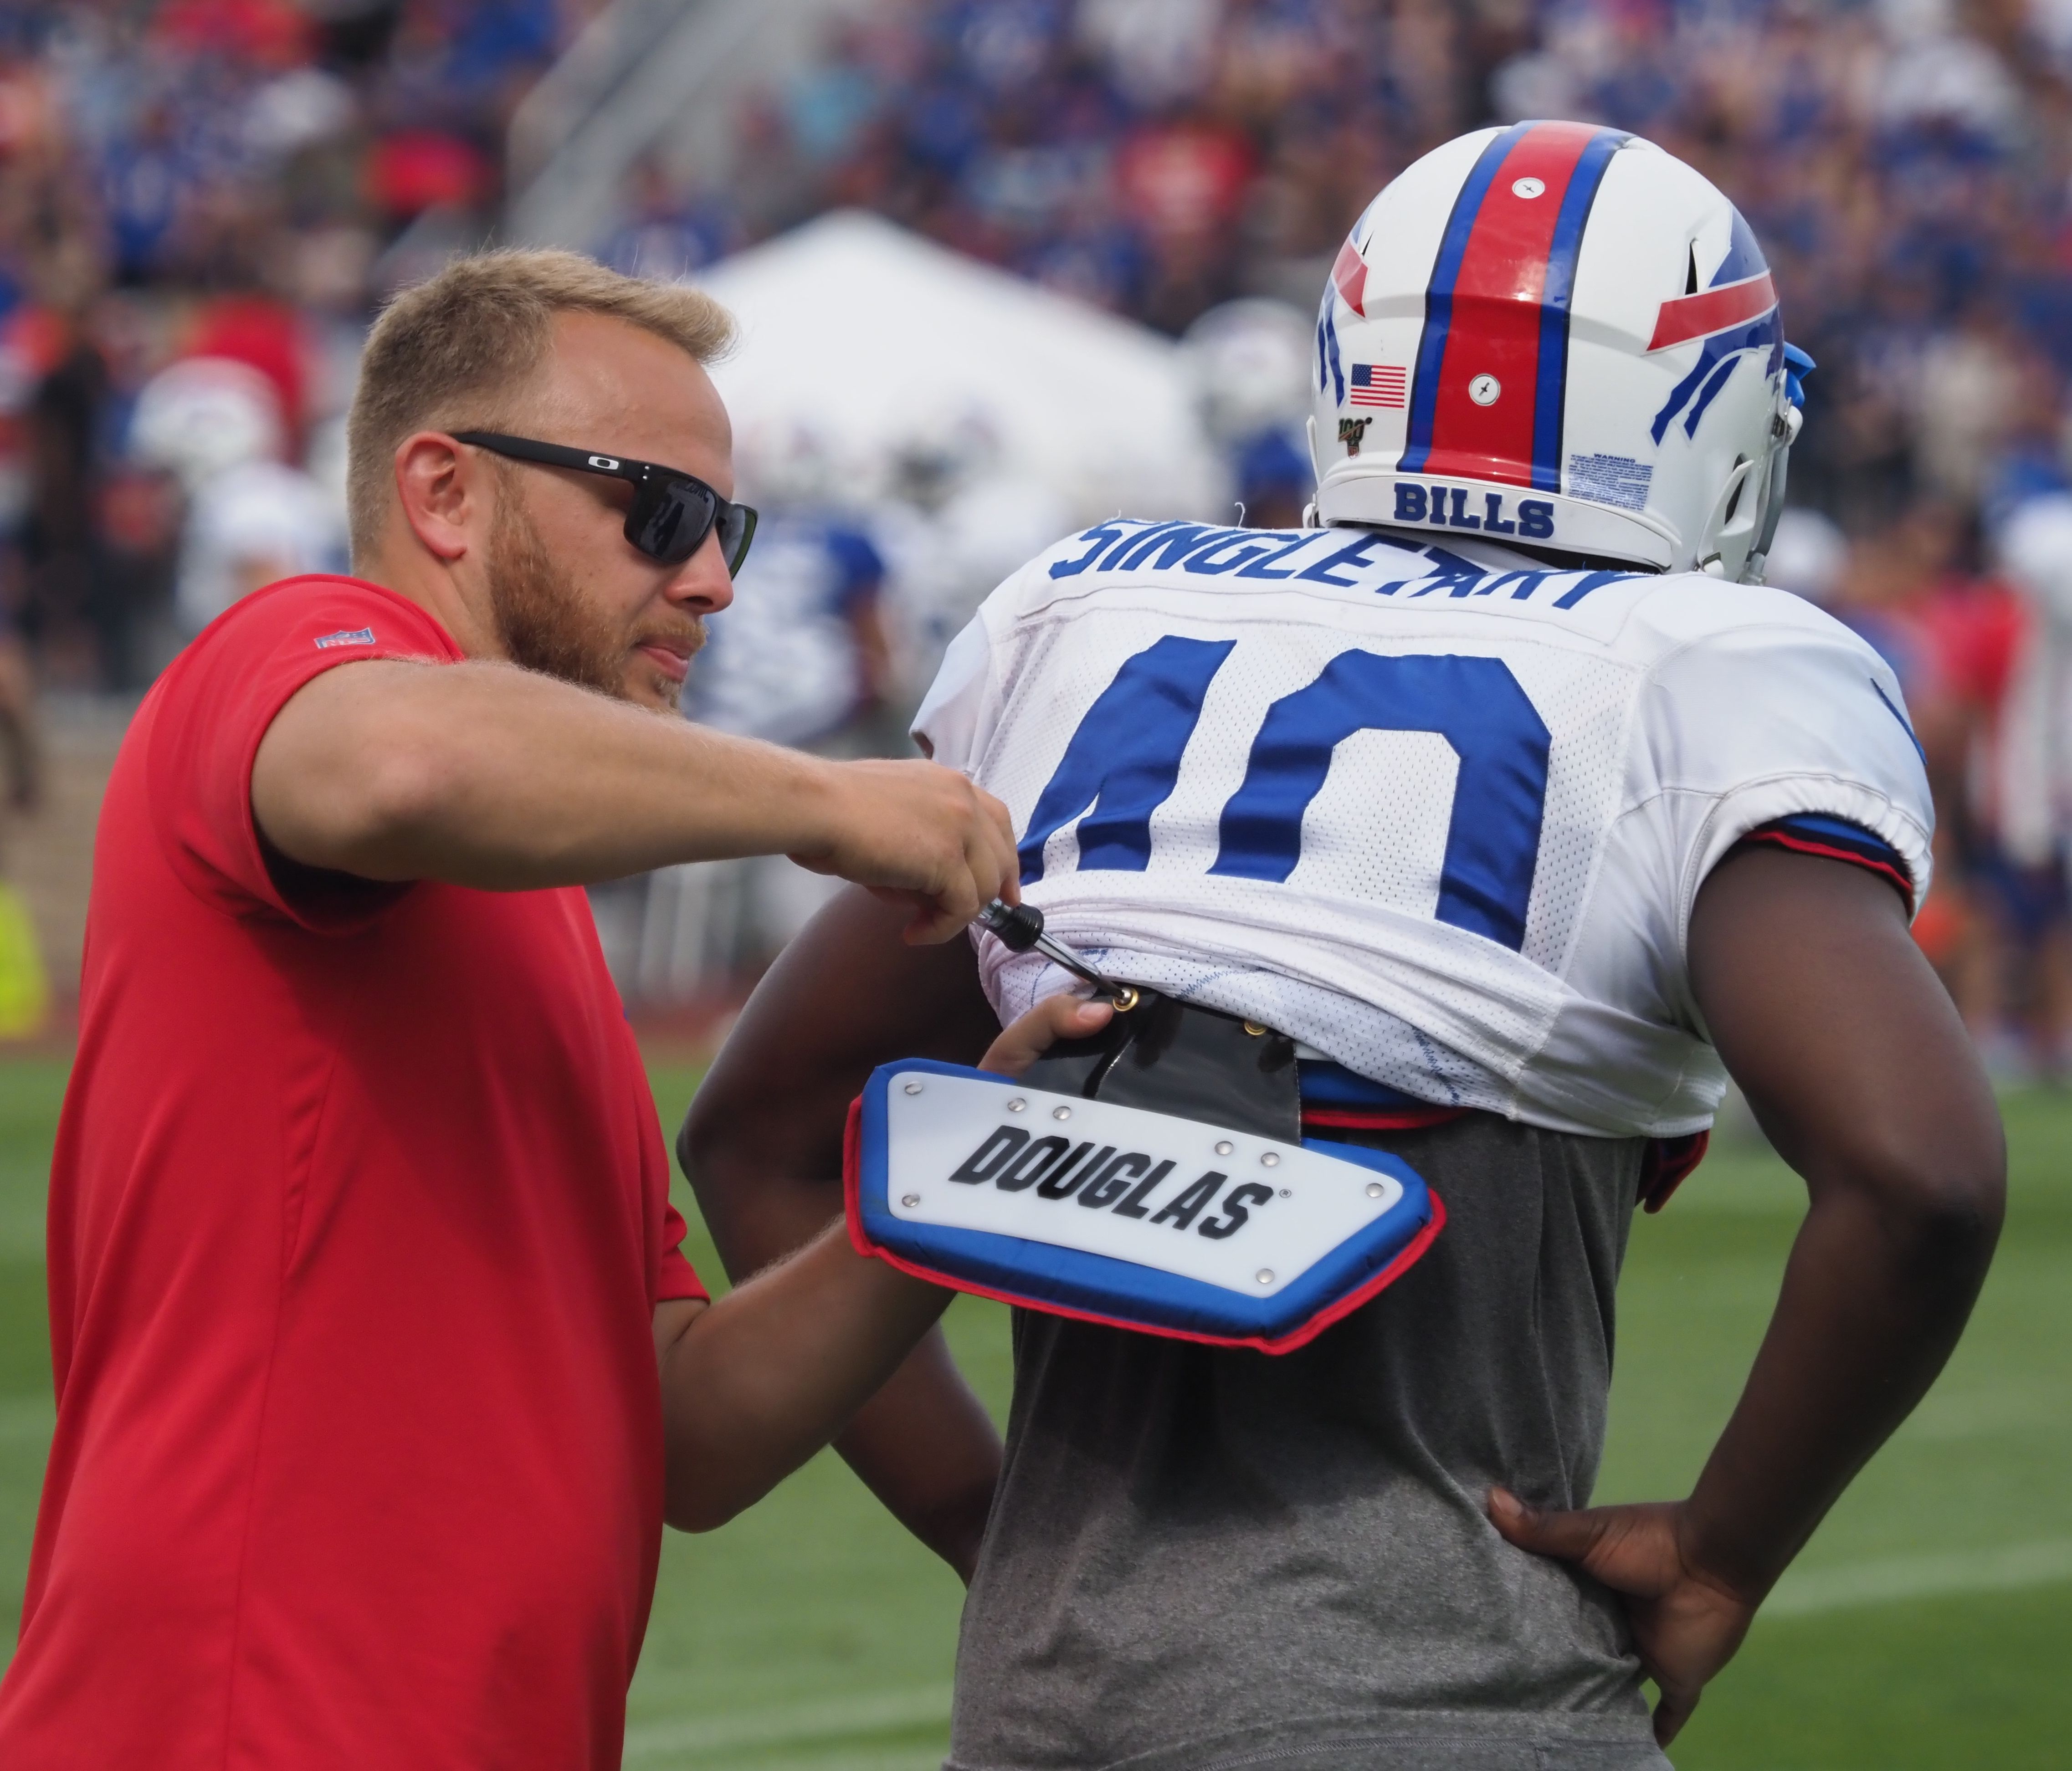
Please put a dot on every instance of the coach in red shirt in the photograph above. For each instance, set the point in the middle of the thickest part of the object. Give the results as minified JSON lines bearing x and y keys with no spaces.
{"x":362,"y":1264}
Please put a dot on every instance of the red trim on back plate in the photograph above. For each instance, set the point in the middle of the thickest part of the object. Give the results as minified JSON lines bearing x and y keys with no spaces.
{"x":1381,"y":1119}
{"x":1287,"y":1343}
{"x":1668,"y":1165}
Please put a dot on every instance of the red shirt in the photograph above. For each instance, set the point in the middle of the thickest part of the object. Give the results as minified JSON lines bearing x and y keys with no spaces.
{"x":358,"y":1219}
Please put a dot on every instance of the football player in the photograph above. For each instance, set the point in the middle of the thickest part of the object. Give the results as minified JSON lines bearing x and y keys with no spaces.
{"x":1509,"y":795}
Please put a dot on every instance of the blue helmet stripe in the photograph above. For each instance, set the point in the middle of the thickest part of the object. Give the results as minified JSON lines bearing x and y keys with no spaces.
{"x":1550,"y":395}
{"x":1439,"y":296}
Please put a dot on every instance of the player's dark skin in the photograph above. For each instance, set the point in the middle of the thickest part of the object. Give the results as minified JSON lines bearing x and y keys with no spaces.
{"x":1823,"y":1009}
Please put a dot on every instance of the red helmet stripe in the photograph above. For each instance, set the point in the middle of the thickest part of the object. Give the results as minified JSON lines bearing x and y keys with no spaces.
{"x":1688,"y":317}
{"x":1491,"y":315}
{"x":1349,"y":277}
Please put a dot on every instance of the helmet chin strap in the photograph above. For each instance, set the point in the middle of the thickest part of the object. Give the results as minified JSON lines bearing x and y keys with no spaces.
{"x":1797,"y":365}
{"x":1759,"y":554}
{"x":1718,"y":534}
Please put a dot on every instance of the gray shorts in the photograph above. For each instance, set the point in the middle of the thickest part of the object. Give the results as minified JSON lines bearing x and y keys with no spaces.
{"x":1201,"y":1558}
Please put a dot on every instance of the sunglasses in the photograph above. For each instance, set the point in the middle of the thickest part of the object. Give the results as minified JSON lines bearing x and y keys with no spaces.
{"x":672,"y":513}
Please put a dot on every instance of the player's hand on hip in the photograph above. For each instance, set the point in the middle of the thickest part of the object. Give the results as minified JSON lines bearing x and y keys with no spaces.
{"x":922,"y":835}
{"x":1685,"y":1626}
{"x":1027,"y":1037}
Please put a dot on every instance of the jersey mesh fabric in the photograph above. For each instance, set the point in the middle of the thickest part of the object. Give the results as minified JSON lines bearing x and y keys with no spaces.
{"x":1479,"y":893}
{"x":358,"y":1215}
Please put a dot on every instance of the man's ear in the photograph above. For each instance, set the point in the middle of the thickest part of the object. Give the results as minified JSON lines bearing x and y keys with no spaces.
{"x":444,"y":492}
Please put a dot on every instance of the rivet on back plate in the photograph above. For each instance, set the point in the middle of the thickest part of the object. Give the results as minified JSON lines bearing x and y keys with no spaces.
{"x":1264,"y":1276}
{"x":1225,"y":1147}
{"x":909,"y":1200}
{"x":1271,"y":1160}
{"x":1374,"y":1189}
{"x":1018,"y":1105}
{"x":913,"y":1088}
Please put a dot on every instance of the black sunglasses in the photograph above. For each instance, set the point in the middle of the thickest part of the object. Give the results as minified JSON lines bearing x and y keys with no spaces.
{"x":672,"y":513}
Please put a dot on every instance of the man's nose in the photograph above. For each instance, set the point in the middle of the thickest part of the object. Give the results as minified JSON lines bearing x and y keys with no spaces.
{"x":702,"y":584}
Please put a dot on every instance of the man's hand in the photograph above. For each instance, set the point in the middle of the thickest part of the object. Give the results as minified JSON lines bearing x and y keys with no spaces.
{"x":920,"y":835}
{"x":1031,"y":1035}
{"x":1685,"y":1626}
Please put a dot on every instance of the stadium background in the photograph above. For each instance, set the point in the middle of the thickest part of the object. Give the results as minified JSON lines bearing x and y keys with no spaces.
{"x":1000,"y":260}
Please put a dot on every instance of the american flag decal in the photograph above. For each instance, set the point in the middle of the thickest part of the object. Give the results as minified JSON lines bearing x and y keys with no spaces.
{"x":1377,"y":384}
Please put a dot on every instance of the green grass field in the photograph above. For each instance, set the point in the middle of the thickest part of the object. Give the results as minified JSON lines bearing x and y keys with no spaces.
{"x":1927,"y":1625}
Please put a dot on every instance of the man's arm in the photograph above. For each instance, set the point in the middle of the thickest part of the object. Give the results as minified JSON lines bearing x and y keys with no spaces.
{"x":755,"y":1384}
{"x":484,"y":774}
{"x":763,"y":1145}
{"x":1860,"y":1071}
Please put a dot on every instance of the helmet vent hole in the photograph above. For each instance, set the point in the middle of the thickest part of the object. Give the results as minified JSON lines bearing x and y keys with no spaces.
{"x":1691,"y":276}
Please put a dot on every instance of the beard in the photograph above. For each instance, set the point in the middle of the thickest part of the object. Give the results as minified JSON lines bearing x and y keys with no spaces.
{"x":545,"y":622}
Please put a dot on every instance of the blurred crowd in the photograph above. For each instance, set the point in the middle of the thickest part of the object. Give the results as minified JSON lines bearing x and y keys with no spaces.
{"x":202,"y":202}
{"x":199,"y":202}
{"x":1905,"y":162}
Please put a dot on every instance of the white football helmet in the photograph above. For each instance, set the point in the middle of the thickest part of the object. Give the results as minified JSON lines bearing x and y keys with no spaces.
{"x":204,"y":415}
{"x":1559,"y":335}
{"x":1249,"y":360}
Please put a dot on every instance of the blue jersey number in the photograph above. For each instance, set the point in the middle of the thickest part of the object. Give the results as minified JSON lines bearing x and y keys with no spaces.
{"x":1124,"y":761}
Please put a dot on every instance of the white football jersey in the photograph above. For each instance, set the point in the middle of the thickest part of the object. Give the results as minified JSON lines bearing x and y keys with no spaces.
{"x":1440,"y":813}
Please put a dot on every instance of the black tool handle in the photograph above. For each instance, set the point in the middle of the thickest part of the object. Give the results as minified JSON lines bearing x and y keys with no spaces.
{"x":1018,"y":927}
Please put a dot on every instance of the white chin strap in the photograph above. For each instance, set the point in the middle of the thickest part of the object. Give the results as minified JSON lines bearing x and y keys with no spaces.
{"x":1736,"y":546}
{"x":1773,"y":505}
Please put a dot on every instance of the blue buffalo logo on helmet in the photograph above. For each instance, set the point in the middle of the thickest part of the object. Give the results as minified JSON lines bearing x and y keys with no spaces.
{"x":1737,"y":317}
{"x":1588,"y":327}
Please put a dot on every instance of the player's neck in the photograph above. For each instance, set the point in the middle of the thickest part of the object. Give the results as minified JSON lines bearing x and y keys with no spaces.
{"x":1551,"y":557}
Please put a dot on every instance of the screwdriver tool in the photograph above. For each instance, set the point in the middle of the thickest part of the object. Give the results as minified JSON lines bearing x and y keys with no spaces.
{"x":1019,"y":927}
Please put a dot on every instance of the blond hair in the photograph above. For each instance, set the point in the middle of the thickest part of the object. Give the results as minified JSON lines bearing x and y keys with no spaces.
{"x":452,"y":350}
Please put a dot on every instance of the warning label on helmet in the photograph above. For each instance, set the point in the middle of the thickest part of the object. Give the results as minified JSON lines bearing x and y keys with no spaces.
{"x":1609,"y":479}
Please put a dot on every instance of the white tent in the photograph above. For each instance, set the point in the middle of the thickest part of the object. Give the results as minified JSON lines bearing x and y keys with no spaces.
{"x":869,"y":341}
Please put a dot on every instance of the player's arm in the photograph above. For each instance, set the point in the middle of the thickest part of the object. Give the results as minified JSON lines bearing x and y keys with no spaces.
{"x":755,"y":1384}
{"x":484,"y":774}
{"x":1860,"y":1071}
{"x":762,"y":1146}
